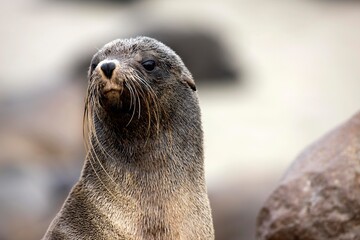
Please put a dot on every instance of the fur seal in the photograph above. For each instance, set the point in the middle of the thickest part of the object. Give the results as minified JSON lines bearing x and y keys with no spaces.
{"x":143,"y":176}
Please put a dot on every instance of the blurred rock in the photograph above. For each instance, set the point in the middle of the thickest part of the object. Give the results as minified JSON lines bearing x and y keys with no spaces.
{"x":204,"y":54}
{"x":41,"y":153}
{"x":319,"y":197}
{"x":29,"y":196}
{"x":43,"y":126}
{"x":24,"y":196}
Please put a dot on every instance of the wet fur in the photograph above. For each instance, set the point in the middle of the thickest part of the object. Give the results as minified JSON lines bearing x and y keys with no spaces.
{"x":143,"y":176}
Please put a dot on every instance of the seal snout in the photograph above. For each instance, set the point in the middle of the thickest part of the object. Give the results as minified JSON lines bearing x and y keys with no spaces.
{"x":108,"y":69}
{"x":111,"y":84}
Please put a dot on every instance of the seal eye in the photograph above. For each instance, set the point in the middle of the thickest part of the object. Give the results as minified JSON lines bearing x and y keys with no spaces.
{"x":149,"y":65}
{"x":93,"y":66}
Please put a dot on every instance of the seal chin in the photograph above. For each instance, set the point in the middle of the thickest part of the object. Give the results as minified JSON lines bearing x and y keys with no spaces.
{"x":111,"y":95}
{"x":112,"y":91}
{"x":115,"y":99}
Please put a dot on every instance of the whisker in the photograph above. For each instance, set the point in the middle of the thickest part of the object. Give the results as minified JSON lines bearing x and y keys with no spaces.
{"x":92,"y":106}
{"x":154,"y":99}
{"x":132,"y":95}
{"x":133,"y":83}
{"x":139,"y":86}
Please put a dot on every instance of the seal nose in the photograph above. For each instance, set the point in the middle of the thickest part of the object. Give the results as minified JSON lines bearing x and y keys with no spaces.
{"x":108,"y":69}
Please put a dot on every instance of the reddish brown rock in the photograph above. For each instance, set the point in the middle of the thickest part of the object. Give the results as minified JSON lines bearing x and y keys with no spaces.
{"x":319,"y":196}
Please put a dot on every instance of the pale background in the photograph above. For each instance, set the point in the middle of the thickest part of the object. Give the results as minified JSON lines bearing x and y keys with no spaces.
{"x":299,"y":76}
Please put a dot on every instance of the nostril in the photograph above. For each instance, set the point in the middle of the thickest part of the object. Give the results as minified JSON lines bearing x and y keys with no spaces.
{"x":108,"y":69}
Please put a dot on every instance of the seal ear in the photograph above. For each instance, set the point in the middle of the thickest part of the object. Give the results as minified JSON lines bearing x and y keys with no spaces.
{"x":189,"y":81}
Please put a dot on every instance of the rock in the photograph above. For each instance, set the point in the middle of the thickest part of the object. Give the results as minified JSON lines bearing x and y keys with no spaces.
{"x":319,"y":196}
{"x":206,"y":56}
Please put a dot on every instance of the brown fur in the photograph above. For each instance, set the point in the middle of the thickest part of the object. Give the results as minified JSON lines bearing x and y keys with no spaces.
{"x":143,"y":176}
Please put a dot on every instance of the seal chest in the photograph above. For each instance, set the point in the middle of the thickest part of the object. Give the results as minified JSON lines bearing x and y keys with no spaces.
{"x":143,"y":176}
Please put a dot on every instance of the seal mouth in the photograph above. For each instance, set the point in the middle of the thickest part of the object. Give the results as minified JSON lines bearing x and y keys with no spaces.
{"x":112,"y":91}
{"x":112,"y":95}
{"x":111,"y":88}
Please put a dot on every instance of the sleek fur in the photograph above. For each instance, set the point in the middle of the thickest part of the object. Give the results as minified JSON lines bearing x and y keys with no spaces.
{"x":143,"y":176}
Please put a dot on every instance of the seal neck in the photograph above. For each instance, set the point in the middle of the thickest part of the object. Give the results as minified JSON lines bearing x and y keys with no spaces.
{"x":174,"y":145}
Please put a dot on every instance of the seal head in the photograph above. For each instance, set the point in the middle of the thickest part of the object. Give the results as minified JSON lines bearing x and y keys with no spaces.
{"x":130,"y":74}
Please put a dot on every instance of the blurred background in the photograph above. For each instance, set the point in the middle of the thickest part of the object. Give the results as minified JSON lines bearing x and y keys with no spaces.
{"x":272,"y":77}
